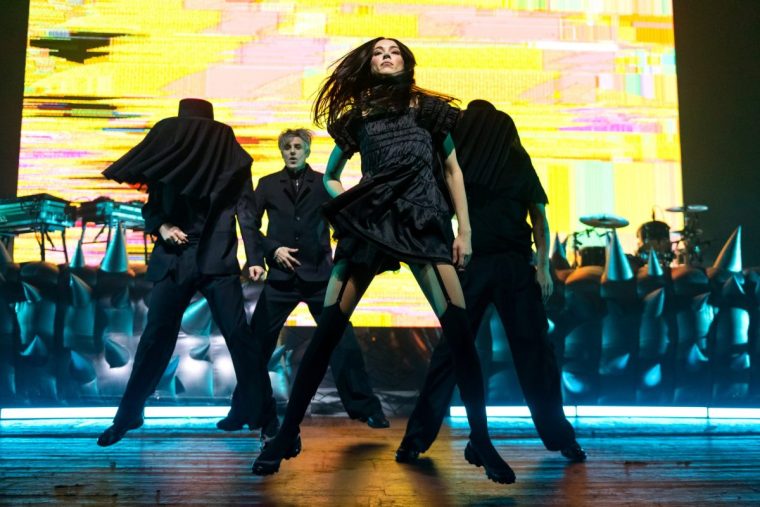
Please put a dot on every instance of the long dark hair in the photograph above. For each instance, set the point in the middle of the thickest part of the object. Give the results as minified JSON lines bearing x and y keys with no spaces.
{"x":352,"y":85}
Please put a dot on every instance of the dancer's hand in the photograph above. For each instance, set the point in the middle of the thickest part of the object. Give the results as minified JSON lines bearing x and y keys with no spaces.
{"x":172,"y":234}
{"x":284,"y":259}
{"x":255,"y":273}
{"x":544,"y":280}
{"x":462,"y":250}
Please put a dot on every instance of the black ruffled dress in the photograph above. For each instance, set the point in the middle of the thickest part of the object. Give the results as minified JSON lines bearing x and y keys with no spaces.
{"x":398,"y":211}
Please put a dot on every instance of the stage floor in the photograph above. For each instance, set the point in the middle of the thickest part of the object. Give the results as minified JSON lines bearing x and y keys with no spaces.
{"x":187,"y":461}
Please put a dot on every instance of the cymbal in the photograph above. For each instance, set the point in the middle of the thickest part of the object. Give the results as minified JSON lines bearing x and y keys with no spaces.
{"x":688,"y":208}
{"x":604,"y":221}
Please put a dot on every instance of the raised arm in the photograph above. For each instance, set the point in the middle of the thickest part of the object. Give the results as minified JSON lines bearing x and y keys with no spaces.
{"x":335,"y":165}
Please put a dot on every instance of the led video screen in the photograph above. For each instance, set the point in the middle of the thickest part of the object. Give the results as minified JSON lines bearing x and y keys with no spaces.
{"x":591,"y":85}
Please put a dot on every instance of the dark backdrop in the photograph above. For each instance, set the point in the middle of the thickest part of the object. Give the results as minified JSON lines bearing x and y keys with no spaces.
{"x":13,"y":25}
{"x":718,"y":64}
{"x":717,"y":48}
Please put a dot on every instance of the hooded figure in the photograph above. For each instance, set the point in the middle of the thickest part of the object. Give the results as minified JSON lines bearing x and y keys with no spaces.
{"x":499,"y":179}
{"x":198,"y":178}
{"x":502,"y":190}
{"x":199,"y":181}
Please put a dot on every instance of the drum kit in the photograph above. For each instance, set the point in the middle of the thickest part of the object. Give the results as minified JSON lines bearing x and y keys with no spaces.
{"x":654,"y":235}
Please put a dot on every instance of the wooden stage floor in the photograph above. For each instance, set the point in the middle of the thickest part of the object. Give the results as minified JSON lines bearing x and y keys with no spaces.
{"x":171,"y":461}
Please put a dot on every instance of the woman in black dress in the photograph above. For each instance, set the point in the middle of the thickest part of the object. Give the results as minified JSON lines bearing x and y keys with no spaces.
{"x":397,"y":212}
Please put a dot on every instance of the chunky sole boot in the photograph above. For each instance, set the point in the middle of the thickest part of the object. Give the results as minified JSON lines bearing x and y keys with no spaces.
{"x":574,"y":453}
{"x":269,"y":431}
{"x":376,"y":421}
{"x":500,"y":473}
{"x":406,"y":454}
{"x":265,"y":465}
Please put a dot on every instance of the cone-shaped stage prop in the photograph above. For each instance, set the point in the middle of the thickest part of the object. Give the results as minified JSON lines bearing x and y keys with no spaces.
{"x":31,"y":293}
{"x":616,"y":267}
{"x":696,"y":356}
{"x":116,"y":354}
{"x":81,"y":293}
{"x":201,"y":352}
{"x":654,"y":304}
{"x":653,"y":266}
{"x":276,"y":359}
{"x":732,"y":288}
{"x":81,"y":368}
{"x":115,"y":259}
{"x":77,"y":260}
{"x":730,"y":257}
{"x":559,"y":256}
{"x":169,"y":375}
{"x":36,"y":353}
{"x":197,"y":318}
{"x":653,"y":376}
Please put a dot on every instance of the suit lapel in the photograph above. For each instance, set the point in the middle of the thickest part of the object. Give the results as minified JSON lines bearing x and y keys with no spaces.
{"x":308,"y":181}
{"x":286,"y":186}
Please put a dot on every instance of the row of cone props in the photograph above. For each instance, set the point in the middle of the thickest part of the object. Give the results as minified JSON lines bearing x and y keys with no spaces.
{"x":656,"y":335}
{"x":673,"y":335}
{"x":617,"y":268}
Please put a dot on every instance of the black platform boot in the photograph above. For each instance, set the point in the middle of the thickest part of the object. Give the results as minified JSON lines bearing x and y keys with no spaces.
{"x":287,"y":443}
{"x":479,"y":451}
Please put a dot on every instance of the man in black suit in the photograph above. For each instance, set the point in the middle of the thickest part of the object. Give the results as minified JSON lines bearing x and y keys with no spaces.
{"x":298,"y":254}
{"x":502,"y":190}
{"x":199,"y":181}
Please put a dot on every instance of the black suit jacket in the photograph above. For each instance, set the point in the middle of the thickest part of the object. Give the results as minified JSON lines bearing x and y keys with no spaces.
{"x":295,"y":221}
{"x":218,"y":243}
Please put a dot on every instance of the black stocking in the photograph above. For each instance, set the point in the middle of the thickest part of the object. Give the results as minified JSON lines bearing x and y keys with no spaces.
{"x":332,"y":323}
{"x":457,"y":332}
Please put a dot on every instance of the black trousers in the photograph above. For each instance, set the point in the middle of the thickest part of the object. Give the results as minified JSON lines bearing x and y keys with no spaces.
{"x":168,"y":301}
{"x":509,"y":282}
{"x":276,"y":303}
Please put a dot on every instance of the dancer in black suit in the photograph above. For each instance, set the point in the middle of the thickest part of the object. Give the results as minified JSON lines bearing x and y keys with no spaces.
{"x":199,"y":181}
{"x":397,"y":212}
{"x":502,"y":190}
{"x":298,"y":255}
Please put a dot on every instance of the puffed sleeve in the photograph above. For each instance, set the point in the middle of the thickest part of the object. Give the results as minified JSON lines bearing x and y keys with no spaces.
{"x":343,"y":132}
{"x":438,"y":117}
